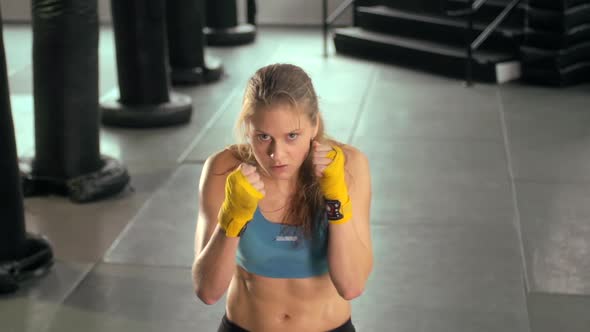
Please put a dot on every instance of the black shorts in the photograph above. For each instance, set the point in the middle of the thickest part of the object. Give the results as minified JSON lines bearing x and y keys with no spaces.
{"x":228,"y":326}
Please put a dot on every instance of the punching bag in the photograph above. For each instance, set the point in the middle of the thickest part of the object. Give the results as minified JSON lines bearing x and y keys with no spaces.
{"x":186,"y":44}
{"x":21,"y":255}
{"x":142,"y":69}
{"x":222,"y":24}
{"x":65,"y":87}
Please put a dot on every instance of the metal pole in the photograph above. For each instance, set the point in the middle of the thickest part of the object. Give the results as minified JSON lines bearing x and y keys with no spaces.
{"x":354,"y":13}
{"x":469,"y":68}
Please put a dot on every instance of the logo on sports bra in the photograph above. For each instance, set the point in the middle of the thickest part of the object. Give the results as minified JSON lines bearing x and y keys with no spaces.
{"x":286,"y":238}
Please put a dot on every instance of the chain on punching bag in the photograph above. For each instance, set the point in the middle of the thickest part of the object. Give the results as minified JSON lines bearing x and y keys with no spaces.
{"x":142,"y":69}
{"x":21,"y":255}
{"x":186,"y":44}
{"x":222,"y":24}
{"x":65,"y":88}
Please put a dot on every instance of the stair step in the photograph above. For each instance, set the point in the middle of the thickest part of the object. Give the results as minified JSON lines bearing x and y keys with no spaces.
{"x":559,"y":20}
{"x":555,"y":58}
{"x":491,"y":9}
{"x":425,"y":26}
{"x":554,"y":40}
{"x":555,"y":4}
{"x":429,"y":55}
{"x":421,"y":6}
{"x":573,"y":74}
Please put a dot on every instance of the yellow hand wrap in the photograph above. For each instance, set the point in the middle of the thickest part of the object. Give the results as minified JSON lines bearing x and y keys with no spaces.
{"x":333,"y":186}
{"x":238,"y":208}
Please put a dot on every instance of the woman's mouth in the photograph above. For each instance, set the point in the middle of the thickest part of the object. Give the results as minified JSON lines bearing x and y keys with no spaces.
{"x":278,"y":167}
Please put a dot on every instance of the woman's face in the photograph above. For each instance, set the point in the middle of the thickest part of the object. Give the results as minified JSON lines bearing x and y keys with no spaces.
{"x":280,"y":138}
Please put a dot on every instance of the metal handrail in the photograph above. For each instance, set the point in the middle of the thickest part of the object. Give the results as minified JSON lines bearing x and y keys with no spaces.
{"x":327,"y":20}
{"x":473,"y":45}
{"x":474,"y":7}
{"x":494,"y":25}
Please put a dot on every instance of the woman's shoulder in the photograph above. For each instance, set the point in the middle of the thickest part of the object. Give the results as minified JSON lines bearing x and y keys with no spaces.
{"x":354,"y":157}
{"x":356,"y":166}
{"x":352,"y":153}
{"x":224,"y":161}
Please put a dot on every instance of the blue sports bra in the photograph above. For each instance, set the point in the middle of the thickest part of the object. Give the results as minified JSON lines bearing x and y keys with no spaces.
{"x":281,"y":251}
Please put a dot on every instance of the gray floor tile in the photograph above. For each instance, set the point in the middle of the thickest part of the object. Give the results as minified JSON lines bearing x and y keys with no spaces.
{"x":384,"y":118}
{"x":423,"y":178}
{"x":555,"y":312}
{"x":83,"y":232}
{"x":435,"y":158}
{"x":468,"y":320}
{"x":418,"y":196}
{"x":431,"y":95}
{"x":516,"y":97}
{"x":378,"y":310}
{"x":218,"y":133}
{"x":549,"y":145}
{"x":554,"y":220}
{"x":214,"y":140}
{"x":340,"y":118}
{"x":134,"y":298}
{"x":404,"y":75}
{"x":35,"y":304}
{"x":452,"y":265}
{"x":162,"y":233}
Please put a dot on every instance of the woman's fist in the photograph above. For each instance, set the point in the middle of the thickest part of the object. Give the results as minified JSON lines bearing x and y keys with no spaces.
{"x":320,"y":157}
{"x":243,"y":189}
{"x":253,"y":177}
{"x":328,"y":162}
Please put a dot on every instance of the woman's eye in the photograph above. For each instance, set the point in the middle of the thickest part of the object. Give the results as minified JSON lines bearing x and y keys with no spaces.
{"x":263,"y":137}
{"x":293,"y":136}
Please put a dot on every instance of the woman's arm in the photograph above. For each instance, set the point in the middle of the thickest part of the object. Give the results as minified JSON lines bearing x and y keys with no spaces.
{"x":350,"y":253}
{"x":214,"y":263}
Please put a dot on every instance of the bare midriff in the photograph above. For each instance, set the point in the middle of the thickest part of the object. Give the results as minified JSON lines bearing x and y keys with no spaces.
{"x":262,"y":304}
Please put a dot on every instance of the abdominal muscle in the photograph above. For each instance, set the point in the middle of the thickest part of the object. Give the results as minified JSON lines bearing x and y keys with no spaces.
{"x":262,"y":304}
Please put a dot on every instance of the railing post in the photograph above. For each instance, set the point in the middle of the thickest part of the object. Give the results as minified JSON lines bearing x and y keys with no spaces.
{"x":469,"y":63}
{"x":354,"y":18}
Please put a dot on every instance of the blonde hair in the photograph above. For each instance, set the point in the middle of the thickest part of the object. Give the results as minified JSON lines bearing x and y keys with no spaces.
{"x":279,"y":84}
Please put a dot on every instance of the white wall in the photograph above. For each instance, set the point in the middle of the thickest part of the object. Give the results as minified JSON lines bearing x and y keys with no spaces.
{"x":275,"y":12}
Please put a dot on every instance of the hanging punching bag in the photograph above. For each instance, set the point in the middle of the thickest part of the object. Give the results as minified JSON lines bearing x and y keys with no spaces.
{"x":222,"y":24}
{"x":186,"y":44}
{"x":21,"y":255}
{"x":142,"y":69}
{"x":65,"y":88}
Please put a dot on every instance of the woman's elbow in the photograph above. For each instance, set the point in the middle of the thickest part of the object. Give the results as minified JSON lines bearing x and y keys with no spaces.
{"x":350,"y":293}
{"x":206,"y":297}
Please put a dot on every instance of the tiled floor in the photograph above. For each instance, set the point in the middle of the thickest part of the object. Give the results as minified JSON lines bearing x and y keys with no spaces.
{"x":480,"y":217}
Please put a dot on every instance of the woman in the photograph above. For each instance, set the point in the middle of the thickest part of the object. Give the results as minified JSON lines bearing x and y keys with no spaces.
{"x":283,"y":222}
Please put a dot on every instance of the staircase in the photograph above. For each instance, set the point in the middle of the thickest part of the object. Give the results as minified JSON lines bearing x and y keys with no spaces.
{"x":556,"y":46}
{"x":420,"y":35}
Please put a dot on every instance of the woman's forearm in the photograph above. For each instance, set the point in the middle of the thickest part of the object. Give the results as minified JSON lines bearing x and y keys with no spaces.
{"x":214,"y":267}
{"x":349,"y":259}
